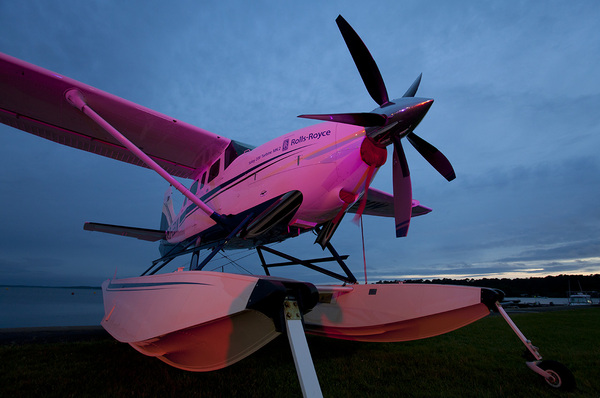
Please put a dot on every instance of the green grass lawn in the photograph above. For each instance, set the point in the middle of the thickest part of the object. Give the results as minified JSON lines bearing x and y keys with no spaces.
{"x":480,"y":360}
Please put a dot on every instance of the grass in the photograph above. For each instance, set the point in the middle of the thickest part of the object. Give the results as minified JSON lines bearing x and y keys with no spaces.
{"x":480,"y":360}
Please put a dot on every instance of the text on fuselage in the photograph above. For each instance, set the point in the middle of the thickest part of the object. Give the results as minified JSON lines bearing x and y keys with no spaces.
{"x":310,"y":136}
{"x":287,"y":142}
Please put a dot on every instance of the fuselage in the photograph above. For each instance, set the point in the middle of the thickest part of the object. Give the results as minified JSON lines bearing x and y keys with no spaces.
{"x":320,"y":161}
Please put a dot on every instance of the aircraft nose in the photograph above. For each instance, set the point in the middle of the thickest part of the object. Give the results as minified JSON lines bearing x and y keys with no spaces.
{"x":408,"y":114}
{"x":415,"y":111}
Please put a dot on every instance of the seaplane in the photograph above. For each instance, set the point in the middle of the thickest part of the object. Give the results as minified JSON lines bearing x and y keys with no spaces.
{"x":245,"y":197}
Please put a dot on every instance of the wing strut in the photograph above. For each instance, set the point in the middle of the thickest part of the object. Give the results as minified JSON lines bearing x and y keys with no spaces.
{"x":75,"y":98}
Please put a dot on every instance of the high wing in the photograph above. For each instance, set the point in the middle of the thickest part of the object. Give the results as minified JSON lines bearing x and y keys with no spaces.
{"x":381,"y":204}
{"x":32,"y":99}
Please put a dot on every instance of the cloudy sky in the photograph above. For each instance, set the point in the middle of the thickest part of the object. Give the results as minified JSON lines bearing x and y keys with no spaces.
{"x":517,"y":111}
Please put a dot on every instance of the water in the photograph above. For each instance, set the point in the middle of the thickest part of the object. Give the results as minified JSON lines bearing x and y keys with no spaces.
{"x":546,"y":300}
{"x":41,"y":307}
{"x":540,"y":300}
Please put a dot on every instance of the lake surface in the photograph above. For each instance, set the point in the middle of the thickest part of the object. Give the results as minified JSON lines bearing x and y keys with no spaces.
{"x":540,"y":300}
{"x":50,"y":306}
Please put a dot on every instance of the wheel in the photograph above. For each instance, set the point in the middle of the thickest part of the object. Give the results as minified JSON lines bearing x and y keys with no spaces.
{"x":561,"y":376}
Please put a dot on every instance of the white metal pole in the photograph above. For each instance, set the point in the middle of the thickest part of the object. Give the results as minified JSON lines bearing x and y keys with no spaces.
{"x":530,"y":347}
{"x":305,"y":367}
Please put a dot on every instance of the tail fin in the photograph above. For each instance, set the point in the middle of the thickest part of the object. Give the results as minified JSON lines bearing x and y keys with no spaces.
{"x":168,"y":214}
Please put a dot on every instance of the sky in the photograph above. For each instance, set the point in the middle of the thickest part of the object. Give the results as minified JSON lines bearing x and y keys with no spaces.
{"x":517,"y":112}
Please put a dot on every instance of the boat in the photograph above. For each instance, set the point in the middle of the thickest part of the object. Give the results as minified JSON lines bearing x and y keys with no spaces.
{"x":580,"y":299}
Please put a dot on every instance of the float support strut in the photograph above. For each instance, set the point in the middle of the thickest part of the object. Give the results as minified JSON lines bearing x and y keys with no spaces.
{"x":218,"y":247}
{"x":305,"y":367}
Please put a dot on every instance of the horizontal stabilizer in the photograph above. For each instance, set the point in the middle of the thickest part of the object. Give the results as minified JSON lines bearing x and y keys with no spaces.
{"x":151,"y":235}
{"x":381,"y":204}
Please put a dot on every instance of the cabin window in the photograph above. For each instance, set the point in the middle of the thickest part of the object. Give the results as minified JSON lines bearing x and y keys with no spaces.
{"x":203,"y":180}
{"x":194,"y":187}
{"x":214,"y":170}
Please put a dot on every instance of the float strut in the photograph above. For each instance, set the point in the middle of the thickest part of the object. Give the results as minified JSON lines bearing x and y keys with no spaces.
{"x":216,"y":249}
{"x":307,"y":375}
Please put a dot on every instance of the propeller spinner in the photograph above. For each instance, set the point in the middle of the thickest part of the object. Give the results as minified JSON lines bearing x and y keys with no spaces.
{"x":389,"y":123}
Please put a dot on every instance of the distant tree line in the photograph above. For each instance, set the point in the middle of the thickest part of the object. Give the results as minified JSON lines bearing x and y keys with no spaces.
{"x":549,"y":286}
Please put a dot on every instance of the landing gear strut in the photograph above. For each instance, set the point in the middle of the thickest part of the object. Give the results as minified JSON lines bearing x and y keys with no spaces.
{"x":305,"y":368}
{"x":555,"y":373}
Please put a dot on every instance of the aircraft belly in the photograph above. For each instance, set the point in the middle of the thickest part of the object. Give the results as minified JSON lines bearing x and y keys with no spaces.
{"x":394,"y":312}
{"x":191,"y":226}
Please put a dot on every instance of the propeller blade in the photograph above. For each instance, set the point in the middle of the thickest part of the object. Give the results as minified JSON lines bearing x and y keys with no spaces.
{"x":365,"y":119}
{"x":412,"y":90}
{"x":433,"y":156}
{"x":402,"y":190}
{"x":364,"y":62}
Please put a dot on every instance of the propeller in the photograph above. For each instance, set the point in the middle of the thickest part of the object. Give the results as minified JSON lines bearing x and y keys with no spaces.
{"x":433,"y":156}
{"x":364,"y":62}
{"x":402,"y":189}
{"x":412,"y":90}
{"x":364,"y":119}
{"x":389,"y":123}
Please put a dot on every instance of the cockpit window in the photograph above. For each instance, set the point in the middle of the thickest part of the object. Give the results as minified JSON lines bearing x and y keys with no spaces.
{"x":214,"y":170}
{"x":233,"y":150}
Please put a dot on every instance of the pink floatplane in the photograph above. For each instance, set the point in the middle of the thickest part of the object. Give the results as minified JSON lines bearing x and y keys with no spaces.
{"x":240,"y":196}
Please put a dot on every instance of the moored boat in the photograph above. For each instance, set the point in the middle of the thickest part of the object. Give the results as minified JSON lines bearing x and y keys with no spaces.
{"x":580,"y":299}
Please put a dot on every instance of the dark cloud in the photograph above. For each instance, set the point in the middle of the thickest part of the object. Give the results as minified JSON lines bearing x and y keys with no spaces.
{"x":585,"y":249}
